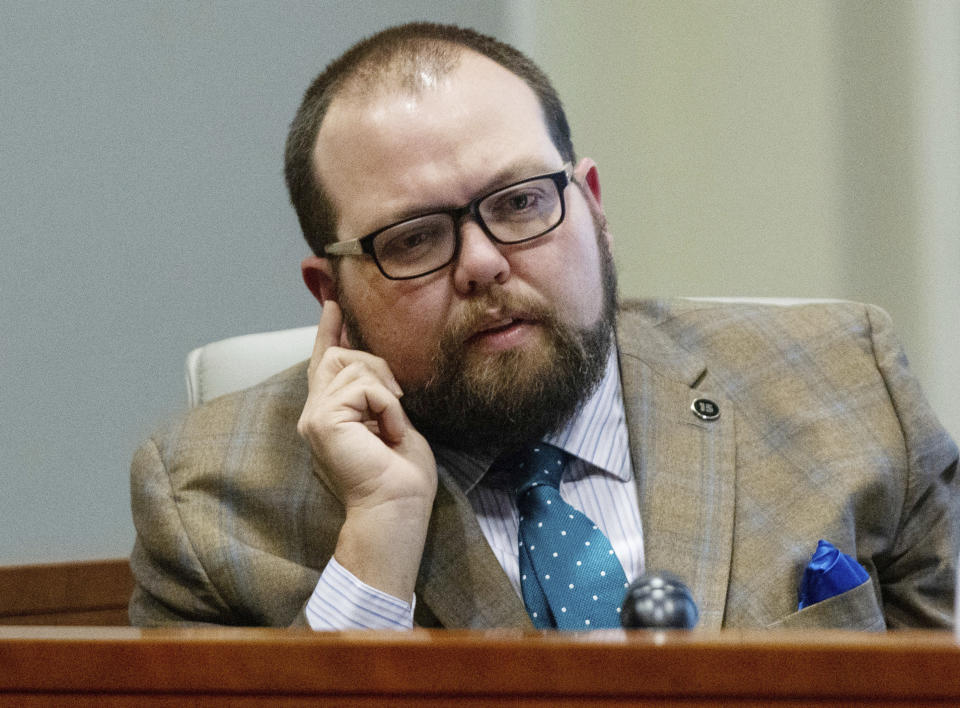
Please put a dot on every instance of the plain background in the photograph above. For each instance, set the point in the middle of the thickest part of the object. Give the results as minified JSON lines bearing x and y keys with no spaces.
{"x":746,"y":147}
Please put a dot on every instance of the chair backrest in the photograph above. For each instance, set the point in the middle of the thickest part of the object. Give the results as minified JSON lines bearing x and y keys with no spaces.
{"x":238,"y":362}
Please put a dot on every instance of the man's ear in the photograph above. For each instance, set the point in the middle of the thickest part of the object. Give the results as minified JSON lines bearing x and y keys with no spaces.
{"x":318,"y":275}
{"x":586,"y":174}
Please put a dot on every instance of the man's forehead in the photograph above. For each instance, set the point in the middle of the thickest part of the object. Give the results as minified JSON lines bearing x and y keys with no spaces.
{"x":367,"y":90}
{"x":437,"y":105}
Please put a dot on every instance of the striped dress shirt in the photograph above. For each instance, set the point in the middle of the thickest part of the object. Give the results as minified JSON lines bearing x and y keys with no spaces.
{"x":598,"y":481}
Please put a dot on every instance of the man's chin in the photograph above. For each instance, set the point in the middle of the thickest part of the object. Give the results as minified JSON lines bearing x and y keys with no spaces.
{"x":482,"y":401}
{"x":507,"y":380}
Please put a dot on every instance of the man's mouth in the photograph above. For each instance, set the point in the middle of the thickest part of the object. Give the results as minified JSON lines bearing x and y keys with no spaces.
{"x":500,"y":328}
{"x":499,"y":325}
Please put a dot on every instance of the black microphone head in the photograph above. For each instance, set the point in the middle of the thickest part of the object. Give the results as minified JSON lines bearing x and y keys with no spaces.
{"x":659,"y":601}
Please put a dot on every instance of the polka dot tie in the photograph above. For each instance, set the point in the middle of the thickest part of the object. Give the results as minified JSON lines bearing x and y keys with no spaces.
{"x":569,"y":574}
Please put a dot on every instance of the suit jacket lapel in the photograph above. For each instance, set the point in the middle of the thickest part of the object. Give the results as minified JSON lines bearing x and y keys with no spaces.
{"x":460,"y":580}
{"x":684,"y":466}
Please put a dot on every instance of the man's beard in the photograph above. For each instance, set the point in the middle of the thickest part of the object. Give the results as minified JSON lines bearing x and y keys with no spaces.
{"x":479,"y":402}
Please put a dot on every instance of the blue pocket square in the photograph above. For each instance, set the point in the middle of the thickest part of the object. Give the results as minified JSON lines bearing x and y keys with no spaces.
{"x":829,"y":573}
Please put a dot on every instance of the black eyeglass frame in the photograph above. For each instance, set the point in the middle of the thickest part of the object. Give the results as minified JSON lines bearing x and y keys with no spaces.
{"x":364,"y":245}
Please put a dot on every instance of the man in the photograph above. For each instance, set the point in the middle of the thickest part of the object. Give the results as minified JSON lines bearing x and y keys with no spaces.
{"x":469,"y":313}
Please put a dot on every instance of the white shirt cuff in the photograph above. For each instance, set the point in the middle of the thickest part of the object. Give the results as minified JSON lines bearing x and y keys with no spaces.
{"x":341,"y":601}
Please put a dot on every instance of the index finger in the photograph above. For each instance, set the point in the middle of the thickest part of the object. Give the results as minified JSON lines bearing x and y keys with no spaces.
{"x":328,"y":331}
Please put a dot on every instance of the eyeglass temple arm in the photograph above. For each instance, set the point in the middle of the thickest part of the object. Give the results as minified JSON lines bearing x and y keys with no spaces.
{"x":344,"y":248}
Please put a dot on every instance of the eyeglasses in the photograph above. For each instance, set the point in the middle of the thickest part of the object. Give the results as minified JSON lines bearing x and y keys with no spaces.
{"x":521,"y":212}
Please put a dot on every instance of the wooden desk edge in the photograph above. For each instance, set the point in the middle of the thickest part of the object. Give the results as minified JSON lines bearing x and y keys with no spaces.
{"x":596,"y":666}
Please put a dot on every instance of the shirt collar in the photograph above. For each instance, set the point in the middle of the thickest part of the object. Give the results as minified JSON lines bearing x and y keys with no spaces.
{"x":600,"y":425}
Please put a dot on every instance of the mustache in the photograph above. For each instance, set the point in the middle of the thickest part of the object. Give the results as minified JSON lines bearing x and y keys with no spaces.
{"x":476,"y":312}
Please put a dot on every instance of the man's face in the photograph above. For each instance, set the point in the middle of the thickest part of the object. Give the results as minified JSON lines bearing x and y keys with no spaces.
{"x":496,"y":309}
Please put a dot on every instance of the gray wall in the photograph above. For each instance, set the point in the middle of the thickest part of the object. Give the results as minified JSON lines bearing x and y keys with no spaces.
{"x":143,"y":214}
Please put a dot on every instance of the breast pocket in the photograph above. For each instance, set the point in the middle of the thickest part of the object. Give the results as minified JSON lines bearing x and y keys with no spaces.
{"x":856,"y":609}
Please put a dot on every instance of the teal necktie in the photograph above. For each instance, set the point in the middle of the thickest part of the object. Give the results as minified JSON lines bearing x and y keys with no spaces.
{"x":569,"y":575}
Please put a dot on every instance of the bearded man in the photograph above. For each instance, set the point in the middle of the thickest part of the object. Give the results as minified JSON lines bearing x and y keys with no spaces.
{"x":470,"y":319}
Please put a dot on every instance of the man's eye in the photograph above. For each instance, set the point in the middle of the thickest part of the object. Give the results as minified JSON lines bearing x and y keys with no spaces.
{"x":528,"y":202}
{"x":408,"y":244}
{"x":521,"y":201}
{"x":411,"y":240}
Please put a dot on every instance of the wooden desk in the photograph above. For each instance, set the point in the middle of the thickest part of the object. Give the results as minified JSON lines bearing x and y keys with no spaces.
{"x":79,"y":593}
{"x":121,"y":666}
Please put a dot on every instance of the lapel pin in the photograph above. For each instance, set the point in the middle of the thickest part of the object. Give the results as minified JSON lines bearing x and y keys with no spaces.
{"x":705,"y":409}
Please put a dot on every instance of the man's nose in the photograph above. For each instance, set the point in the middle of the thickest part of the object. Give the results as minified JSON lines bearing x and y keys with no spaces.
{"x":481,"y":261}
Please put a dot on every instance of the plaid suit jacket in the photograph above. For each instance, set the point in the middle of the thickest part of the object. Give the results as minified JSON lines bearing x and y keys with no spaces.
{"x":823,"y":433}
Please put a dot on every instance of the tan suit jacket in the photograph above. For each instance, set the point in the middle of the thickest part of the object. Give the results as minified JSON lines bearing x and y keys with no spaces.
{"x":823,"y":433}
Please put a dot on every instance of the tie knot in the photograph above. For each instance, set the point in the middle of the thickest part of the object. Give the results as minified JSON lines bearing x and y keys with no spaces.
{"x":532,"y":465}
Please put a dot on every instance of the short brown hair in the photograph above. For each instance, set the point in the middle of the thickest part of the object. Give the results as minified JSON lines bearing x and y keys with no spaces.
{"x":390,"y":55}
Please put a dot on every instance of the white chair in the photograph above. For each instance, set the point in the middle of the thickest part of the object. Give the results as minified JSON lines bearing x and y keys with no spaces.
{"x":238,"y":362}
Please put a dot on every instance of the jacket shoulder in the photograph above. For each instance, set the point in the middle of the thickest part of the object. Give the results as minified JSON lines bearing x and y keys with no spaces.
{"x":265,"y":408}
{"x":714,"y":326}
{"x":658,"y":311}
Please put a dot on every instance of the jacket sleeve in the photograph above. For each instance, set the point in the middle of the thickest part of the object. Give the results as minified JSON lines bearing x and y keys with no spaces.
{"x":208,"y":556}
{"x":918,"y":575}
{"x":172,"y":586}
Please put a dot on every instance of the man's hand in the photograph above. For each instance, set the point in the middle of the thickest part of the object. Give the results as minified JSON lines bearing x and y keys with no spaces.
{"x":368,"y":453}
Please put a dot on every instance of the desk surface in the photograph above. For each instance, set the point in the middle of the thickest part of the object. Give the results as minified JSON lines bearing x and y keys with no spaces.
{"x":117,"y":666}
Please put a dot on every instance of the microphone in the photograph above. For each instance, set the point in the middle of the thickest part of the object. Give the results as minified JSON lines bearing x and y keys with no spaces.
{"x":658,"y":601}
